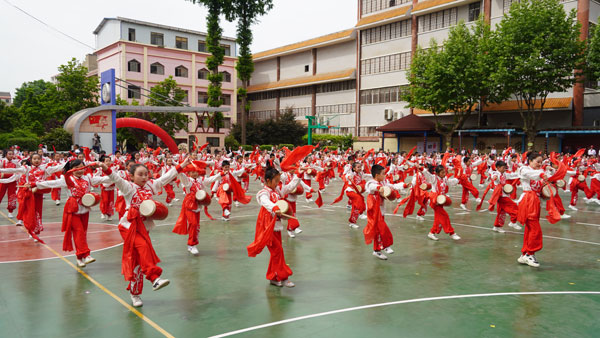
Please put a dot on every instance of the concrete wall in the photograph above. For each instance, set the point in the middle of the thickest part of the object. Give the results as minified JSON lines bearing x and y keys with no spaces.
{"x":292,"y":66}
{"x":400,"y":45}
{"x":336,"y":57}
{"x":264,"y":72}
{"x":381,"y":80}
{"x":110,"y":33}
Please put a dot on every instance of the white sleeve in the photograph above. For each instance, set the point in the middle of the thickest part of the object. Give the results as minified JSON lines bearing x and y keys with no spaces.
{"x":59,"y":183}
{"x":95,"y":180}
{"x":290,"y":186}
{"x":371,"y":187}
{"x":184,"y":180}
{"x":166,"y":178}
{"x":124,"y":186}
{"x":53,"y":169}
{"x":20,"y":170}
{"x":265,"y":201}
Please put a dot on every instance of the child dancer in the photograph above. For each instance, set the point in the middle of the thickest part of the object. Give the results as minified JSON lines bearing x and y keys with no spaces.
{"x":268,"y":227}
{"x":9,"y":187}
{"x":439,"y":186}
{"x":169,"y":186}
{"x":293,"y":225}
{"x":225,"y":197}
{"x":75,"y":214}
{"x":188,"y":222}
{"x":139,"y":257}
{"x":505,"y":204}
{"x":355,"y":187}
{"x":107,"y":194}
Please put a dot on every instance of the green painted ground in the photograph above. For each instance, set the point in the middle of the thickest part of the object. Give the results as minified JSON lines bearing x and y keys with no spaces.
{"x":223,"y":290}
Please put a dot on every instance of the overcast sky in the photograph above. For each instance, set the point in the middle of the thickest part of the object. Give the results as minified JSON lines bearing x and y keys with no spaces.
{"x":30,"y":50}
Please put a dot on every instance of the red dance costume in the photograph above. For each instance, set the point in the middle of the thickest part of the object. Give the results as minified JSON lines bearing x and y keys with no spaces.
{"x":439,"y":186}
{"x":529,"y":209}
{"x":8,"y":187}
{"x":505,"y":204}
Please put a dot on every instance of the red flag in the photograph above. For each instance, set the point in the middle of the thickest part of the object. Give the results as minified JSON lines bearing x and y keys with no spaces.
{"x":295,"y":156}
{"x":94,"y":119}
{"x":319,"y":200}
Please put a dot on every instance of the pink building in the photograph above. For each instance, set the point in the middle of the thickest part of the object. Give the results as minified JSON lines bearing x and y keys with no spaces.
{"x":144,"y":54}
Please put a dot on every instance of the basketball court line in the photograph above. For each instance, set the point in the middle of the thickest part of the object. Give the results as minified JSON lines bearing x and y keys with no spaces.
{"x":28,"y":239}
{"x":101,"y":287}
{"x":407,"y":301}
{"x":595,"y":225}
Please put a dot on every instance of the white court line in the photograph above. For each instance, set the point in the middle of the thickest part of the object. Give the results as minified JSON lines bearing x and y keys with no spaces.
{"x":48,"y":258}
{"x":29,"y":239}
{"x":407,"y":301}
{"x":595,"y":225}
{"x":462,"y":213}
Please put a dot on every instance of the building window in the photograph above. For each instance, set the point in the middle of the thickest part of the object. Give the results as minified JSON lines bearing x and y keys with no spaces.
{"x":213,"y":141}
{"x":157,"y":68}
{"x":226,"y":98}
{"x":181,"y":71}
{"x":382,"y":95}
{"x":203,"y":74}
{"x":474,"y":10}
{"x":306,"y":68}
{"x":383,"y":64}
{"x":133,"y":92}
{"x":157,"y":39}
{"x":369,"y":6}
{"x":227,"y":49}
{"x":201,"y":46}
{"x":202,"y":97}
{"x":394,"y":30}
{"x":131,"y":35}
{"x":437,"y":20}
{"x":185,"y":98}
{"x":226,"y":76}
{"x":181,"y":42}
{"x":133,"y":66}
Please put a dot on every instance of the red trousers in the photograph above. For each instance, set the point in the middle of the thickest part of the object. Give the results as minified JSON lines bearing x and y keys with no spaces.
{"x":594,"y":187}
{"x":575,"y":189}
{"x":79,"y":226}
{"x":358,"y":205}
{"x":55,"y":194}
{"x":143,"y":264}
{"x":532,"y":239}
{"x":246,"y":183}
{"x":466,"y":189}
{"x":278,"y":269}
{"x":383,"y":239}
{"x":292,"y":224}
{"x":193,"y":219}
{"x":107,"y":202}
{"x":227,"y":206}
{"x":11,"y":189}
{"x":170,"y":192}
{"x":423,"y":209}
{"x":441,"y":220}
{"x":505,"y":206}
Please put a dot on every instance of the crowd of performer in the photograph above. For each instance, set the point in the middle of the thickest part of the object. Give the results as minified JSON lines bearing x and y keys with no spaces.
{"x":129,"y":183}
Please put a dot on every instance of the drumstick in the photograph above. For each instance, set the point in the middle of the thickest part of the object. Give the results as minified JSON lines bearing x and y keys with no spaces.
{"x":288,"y":216}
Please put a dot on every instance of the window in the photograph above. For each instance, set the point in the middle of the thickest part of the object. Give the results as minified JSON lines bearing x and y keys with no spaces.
{"x":203,"y":74}
{"x":213,"y":141}
{"x":506,"y":5}
{"x":394,"y":30}
{"x":181,"y":71}
{"x":131,"y":35}
{"x":201,"y":46}
{"x":226,"y":98}
{"x":157,"y":68}
{"x":133,"y":66}
{"x":181,"y":42}
{"x":306,"y":68}
{"x":382,"y":95}
{"x":185,"y":98}
{"x":474,"y":10}
{"x":227,"y":49}
{"x":369,"y":6}
{"x":133,"y":92}
{"x":157,"y":39}
{"x":437,"y":20}
{"x":226,"y":76}
{"x":227,"y":123}
{"x":388,"y":63}
{"x":202,"y":97}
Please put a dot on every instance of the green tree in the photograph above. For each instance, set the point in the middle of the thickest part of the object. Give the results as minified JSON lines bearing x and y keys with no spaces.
{"x":10,"y":117}
{"x":166,"y":93}
{"x":539,"y":47}
{"x":59,"y":138}
{"x":453,"y":79}
{"x":273,"y":131}
{"x":246,"y":12}
{"x":593,"y":56}
{"x":76,"y":88}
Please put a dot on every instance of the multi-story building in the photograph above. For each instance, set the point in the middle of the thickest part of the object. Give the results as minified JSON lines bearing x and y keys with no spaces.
{"x":144,"y":54}
{"x":5,"y":97}
{"x":387,"y":34}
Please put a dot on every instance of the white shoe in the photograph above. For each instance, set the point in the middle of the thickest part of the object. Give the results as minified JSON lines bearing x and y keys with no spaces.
{"x":57,"y":202}
{"x":455,"y":237}
{"x":159,"y":283}
{"x":363,"y":216}
{"x":478,"y":200}
{"x":136,"y":300}
{"x":35,"y":240}
{"x":379,"y":255}
{"x":102,"y":216}
{"x":10,"y":215}
{"x":227,"y":213}
{"x":169,"y":204}
{"x":291,"y":234}
{"x":514,"y":226}
{"x":353,"y":226}
{"x":498,"y":229}
{"x":389,"y":250}
{"x":193,"y":249}
{"x":565,"y":216}
{"x":531,"y":261}
{"x":20,"y":223}
{"x":348,"y":206}
{"x":587,"y":200}
{"x":297,"y":230}
{"x":309,"y":200}
{"x":88,"y":260}
{"x":109,"y":218}
{"x":464,"y":207}
{"x":522,"y":259}
{"x":567,"y":191}
{"x":420,"y":218}
{"x":80,"y":263}
{"x":432,"y":236}
{"x":572,"y":207}
{"x":288,"y":283}
{"x":225,"y":219}
{"x":176,"y":200}
{"x":237,"y":204}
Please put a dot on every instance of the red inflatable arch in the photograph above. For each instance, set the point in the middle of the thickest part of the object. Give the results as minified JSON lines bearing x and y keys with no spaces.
{"x":131,"y":122}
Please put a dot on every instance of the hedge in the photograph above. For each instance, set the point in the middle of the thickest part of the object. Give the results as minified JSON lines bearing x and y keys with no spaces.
{"x":289,"y":146}
{"x":266,"y":147}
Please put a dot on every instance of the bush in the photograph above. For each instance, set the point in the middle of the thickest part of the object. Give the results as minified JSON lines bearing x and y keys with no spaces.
{"x":342,"y":141}
{"x":266,"y":147}
{"x":247,"y":147}
{"x":274,"y":131}
{"x":231,"y":142}
{"x":332,"y":148}
{"x":25,"y":139}
{"x":59,"y":138}
{"x":288,"y":145}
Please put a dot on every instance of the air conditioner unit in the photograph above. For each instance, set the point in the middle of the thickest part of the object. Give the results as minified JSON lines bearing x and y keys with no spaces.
{"x":388,"y":114}
{"x":397,"y":115}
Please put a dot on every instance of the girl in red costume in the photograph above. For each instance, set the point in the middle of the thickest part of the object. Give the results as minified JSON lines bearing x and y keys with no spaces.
{"x":269,"y":227}
{"x":439,"y":186}
{"x":107,"y":194}
{"x":355,"y":183}
{"x":75,"y":214}
{"x":139,"y":257}
{"x":234,"y":188}
{"x":9,"y":185}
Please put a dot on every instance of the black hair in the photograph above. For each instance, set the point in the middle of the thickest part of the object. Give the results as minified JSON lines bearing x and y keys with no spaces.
{"x":355,"y":164}
{"x":500,"y":164}
{"x":270,"y":172}
{"x":350,"y":158}
{"x":117,"y":152}
{"x":26,"y":162}
{"x":439,"y":168}
{"x":103,"y":157}
{"x":35,"y":154}
{"x":533,"y":155}
{"x":376,"y":169}
{"x":71,"y":164}
{"x":134,"y":168}
{"x":129,"y":161}
{"x":466,"y":159}
{"x":224,"y":163}
{"x":492,"y":156}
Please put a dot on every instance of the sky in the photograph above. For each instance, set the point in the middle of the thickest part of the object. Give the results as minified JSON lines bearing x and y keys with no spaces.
{"x":32,"y":50}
